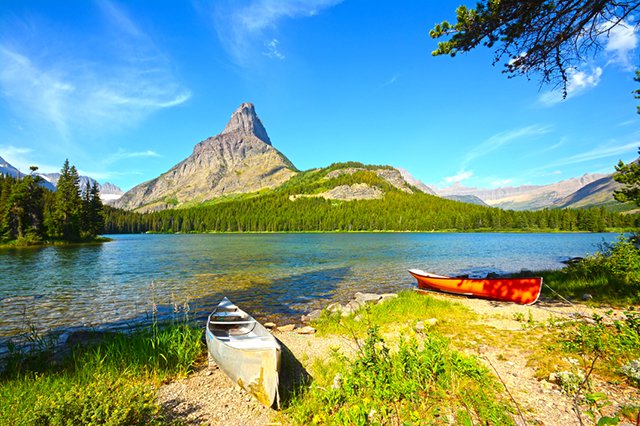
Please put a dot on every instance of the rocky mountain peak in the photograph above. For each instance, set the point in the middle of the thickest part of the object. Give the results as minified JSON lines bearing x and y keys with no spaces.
{"x":245,"y":120}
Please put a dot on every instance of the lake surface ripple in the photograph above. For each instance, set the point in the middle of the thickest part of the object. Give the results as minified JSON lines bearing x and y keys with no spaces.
{"x":120,"y":283}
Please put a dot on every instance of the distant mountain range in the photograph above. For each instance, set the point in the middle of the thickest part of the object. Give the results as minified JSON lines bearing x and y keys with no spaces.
{"x":568,"y":193}
{"x":241,"y":160}
{"x":108,"y":191}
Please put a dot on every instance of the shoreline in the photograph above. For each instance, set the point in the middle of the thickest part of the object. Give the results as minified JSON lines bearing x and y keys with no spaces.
{"x":543,"y":400}
{"x":506,"y":347}
{"x":441,"y":231}
{"x":56,"y":243}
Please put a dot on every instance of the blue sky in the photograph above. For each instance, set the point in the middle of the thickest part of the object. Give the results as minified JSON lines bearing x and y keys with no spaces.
{"x":126,"y":89}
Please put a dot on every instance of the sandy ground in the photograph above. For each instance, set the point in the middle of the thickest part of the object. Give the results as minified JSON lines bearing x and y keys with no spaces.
{"x":209,"y":397}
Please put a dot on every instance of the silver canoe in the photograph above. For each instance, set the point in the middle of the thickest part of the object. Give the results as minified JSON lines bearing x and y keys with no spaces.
{"x":245,"y":350}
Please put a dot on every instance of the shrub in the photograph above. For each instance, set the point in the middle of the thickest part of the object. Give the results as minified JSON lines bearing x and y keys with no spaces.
{"x":620,"y":260}
{"x":420,"y":382}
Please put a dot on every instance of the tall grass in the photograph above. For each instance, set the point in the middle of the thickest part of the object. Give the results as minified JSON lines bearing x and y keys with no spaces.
{"x":417,"y":379}
{"x":110,"y":383}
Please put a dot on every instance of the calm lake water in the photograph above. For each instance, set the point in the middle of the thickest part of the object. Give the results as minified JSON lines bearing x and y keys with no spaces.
{"x":116,"y":284}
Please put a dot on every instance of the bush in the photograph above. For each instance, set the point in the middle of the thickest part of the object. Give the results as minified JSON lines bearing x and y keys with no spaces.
{"x":420,"y":382}
{"x":615,"y":341}
{"x":620,"y":260}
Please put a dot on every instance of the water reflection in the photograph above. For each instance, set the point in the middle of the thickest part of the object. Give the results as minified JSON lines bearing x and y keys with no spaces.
{"x":108,"y":285}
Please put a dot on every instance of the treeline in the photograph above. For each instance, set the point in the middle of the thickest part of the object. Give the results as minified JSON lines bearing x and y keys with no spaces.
{"x":397,"y":211}
{"x":30,"y":213}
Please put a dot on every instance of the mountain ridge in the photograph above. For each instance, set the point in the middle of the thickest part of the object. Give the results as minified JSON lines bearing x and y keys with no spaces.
{"x":240,"y":159}
{"x":525,"y":197}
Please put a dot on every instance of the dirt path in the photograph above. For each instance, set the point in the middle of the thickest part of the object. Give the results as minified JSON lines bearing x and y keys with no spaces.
{"x":209,"y":397}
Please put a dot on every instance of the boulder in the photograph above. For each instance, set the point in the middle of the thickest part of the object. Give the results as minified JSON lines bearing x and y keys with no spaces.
{"x":366,"y":297}
{"x":311,"y":316}
{"x":306,"y":330}
{"x":386,"y":296}
{"x":287,"y":328}
{"x":334,"y":307}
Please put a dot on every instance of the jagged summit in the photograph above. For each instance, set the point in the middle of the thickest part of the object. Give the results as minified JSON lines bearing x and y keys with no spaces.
{"x":245,"y":120}
{"x":239,"y":160}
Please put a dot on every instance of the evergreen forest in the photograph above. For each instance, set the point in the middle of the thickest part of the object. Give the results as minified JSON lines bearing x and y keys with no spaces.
{"x":295,"y":207}
{"x":32,"y":214}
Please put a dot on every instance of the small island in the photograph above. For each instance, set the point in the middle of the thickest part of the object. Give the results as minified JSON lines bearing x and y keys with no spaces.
{"x":33,"y":215}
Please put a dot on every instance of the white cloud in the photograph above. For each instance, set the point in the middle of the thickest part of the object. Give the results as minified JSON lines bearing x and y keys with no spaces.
{"x":597,"y":153}
{"x":123,"y":155}
{"x":497,"y":183}
{"x":392,"y":80}
{"x":22,"y":159}
{"x":621,"y":42}
{"x":272,"y":50}
{"x":242,"y":27}
{"x":504,"y":138}
{"x":459,"y":177}
{"x":65,"y":84}
{"x":577,"y":82}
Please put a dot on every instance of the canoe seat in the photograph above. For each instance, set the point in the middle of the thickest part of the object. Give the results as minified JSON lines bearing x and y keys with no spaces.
{"x":254,"y":342}
{"x":232,"y":322}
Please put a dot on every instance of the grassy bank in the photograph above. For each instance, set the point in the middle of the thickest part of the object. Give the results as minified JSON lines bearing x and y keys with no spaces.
{"x":401,"y":372}
{"x":109,"y":383}
{"x":412,"y":365}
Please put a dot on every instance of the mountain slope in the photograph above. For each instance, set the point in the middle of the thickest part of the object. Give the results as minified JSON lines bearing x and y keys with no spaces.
{"x":238,"y":160}
{"x":8,"y":169}
{"x":595,"y":194}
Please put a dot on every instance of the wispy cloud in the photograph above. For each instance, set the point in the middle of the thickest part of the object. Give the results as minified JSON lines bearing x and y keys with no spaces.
{"x":606,"y":151}
{"x":622,"y":40}
{"x":578,"y":82}
{"x":628,"y":122}
{"x":272,"y":50}
{"x":124,"y":155}
{"x":391,"y":81}
{"x":22,"y":158}
{"x":504,"y":138}
{"x":243,"y":27}
{"x":497,"y":183}
{"x":66,"y":84}
{"x":458,"y":177}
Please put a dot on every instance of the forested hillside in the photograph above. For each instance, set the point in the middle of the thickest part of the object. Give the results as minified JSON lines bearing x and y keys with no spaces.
{"x":298,"y":205}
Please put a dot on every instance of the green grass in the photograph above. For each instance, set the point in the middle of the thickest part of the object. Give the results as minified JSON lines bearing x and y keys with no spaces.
{"x":404,"y":311}
{"x":110,"y":383}
{"x":603,"y":287}
{"x":412,"y":378}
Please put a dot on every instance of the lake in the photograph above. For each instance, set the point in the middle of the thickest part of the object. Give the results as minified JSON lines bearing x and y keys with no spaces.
{"x":120,"y":283}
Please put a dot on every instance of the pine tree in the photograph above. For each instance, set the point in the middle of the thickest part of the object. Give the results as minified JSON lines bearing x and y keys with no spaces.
{"x":24,"y":209}
{"x":68,"y":205}
{"x":93,"y":211}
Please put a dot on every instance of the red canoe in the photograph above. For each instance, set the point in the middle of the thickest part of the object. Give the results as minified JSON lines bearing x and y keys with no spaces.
{"x":524,"y":291}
